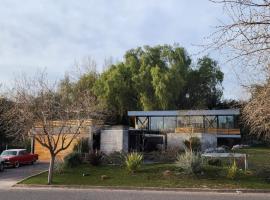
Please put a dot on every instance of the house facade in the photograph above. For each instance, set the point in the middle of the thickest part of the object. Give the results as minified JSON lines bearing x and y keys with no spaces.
{"x":213,"y":127}
{"x":156,"y":130}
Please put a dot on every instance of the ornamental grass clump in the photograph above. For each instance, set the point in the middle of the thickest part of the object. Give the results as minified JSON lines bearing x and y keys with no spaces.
{"x":133,"y":161}
{"x":190,"y":162}
{"x":232,"y":171}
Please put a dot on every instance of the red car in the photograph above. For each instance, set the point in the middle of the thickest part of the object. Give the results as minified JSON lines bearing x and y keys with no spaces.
{"x":17,"y":157}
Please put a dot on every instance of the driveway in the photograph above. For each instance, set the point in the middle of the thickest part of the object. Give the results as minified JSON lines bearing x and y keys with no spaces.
{"x":12,"y":175}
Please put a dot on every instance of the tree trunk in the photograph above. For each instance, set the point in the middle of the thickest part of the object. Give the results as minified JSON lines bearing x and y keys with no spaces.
{"x":50,"y":174}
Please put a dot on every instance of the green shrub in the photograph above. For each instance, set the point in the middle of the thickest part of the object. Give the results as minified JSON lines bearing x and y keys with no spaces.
{"x":72,"y":160}
{"x":215,"y":162}
{"x":190,"y":162}
{"x":167,"y":156}
{"x":133,"y":161}
{"x":232,"y":171}
{"x":115,"y":158}
{"x":95,"y":158}
{"x":82,"y":146}
{"x":194,"y":142}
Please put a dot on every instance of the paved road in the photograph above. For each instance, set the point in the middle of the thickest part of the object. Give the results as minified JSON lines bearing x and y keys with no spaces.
{"x":12,"y":175}
{"x":99,"y":194}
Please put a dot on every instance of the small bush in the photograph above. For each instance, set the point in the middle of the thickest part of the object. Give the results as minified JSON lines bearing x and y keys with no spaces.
{"x":232,"y":171}
{"x":95,"y":158}
{"x":82,"y":146}
{"x":190,"y":162}
{"x":215,"y":162}
{"x":167,"y":156}
{"x":133,"y":161}
{"x":59,"y":167}
{"x":115,"y":158}
{"x":195,"y":144}
{"x":72,"y":160}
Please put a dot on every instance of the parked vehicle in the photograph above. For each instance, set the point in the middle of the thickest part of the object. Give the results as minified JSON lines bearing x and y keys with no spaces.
{"x":2,"y":165}
{"x":17,"y":157}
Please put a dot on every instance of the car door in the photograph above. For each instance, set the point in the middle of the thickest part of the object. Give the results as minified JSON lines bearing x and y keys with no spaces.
{"x":28,"y":157}
{"x":21,"y":157}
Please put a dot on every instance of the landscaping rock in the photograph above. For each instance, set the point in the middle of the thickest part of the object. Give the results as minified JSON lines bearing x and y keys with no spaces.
{"x":167,"y":173}
{"x":104,"y":177}
{"x":85,"y":174}
{"x":239,"y":146}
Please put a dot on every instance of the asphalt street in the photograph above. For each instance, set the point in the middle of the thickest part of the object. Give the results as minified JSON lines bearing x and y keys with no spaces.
{"x":101,"y":194}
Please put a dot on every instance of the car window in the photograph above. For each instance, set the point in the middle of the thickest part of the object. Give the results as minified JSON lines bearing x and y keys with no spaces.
{"x":22,"y":153}
{"x":9,"y":153}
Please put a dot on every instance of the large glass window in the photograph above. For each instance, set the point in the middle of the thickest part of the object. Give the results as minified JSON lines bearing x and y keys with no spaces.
{"x":169,"y":123}
{"x":183,"y":121}
{"x":226,"y":122}
{"x":156,"y":123}
{"x":196,"y":121}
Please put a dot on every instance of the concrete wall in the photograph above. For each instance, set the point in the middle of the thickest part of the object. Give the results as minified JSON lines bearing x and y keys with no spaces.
{"x":113,"y":139}
{"x":208,"y":140}
{"x":176,"y":140}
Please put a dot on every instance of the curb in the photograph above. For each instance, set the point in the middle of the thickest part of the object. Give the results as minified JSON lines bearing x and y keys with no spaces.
{"x":18,"y":183}
{"x":145,"y":188}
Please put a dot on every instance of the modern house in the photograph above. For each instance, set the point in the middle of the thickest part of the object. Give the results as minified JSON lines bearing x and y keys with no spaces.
{"x":213,"y":127}
{"x":154,"y":130}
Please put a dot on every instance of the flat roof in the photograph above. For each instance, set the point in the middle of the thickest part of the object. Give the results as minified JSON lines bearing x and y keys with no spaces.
{"x":184,"y":112}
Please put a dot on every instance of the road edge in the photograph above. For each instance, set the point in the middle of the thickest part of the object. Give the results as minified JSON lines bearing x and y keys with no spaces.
{"x":18,"y":185}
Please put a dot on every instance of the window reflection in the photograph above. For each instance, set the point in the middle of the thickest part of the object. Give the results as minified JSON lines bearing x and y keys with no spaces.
{"x":183,"y":121}
{"x":169,"y":123}
{"x":196,"y":121}
{"x":225,"y":122}
{"x":202,"y":123}
{"x":156,"y":123}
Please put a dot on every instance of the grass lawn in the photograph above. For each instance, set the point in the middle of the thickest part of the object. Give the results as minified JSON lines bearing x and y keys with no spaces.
{"x":258,"y":157}
{"x":152,"y":175}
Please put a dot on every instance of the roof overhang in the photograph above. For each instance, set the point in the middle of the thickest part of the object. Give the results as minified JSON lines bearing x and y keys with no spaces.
{"x":184,"y":112}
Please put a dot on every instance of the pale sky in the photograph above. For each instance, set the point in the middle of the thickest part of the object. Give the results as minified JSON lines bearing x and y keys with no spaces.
{"x":53,"y":34}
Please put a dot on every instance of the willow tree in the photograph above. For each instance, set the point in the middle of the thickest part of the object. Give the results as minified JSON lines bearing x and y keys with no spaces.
{"x":158,"y":78}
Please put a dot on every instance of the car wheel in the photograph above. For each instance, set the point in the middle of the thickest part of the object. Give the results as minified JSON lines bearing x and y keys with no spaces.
{"x":17,"y":164}
{"x":1,"y":167}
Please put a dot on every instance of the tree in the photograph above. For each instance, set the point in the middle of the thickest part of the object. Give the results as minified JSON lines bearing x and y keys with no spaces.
{"x":256,"y":111}
{"x":56,"y":117}
{"x":204,"y":85}
{"x":246,"y":35}
{"x":115,"y":87}
{"x":5,"y":136}
{"x":158,"y":78}
{"x":11,"y":131}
